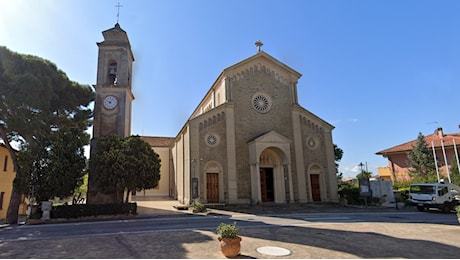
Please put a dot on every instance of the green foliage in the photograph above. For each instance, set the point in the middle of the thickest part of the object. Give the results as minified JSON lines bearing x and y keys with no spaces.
{"x":351,"y":193}
{"x":141,"y":162}
{"x":227,"y":230}
{"x":198,"y":207}
{"x":79,"y":195}
{"x":423,"y":167}
{"x":455,"y":173}
{"x":41,"y":109}
{"x":457,"y":209}
{"x":124,"y":164}
{"x":364,"y":174}
{"x":401,"y":184}
{"x":404,"y":194}
{"x":61,"y":164}
{"x":338,"y":154}
{"x":86,"y":210}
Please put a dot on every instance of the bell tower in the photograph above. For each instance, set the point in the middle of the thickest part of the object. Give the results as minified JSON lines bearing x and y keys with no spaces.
{"x":112,"y":107}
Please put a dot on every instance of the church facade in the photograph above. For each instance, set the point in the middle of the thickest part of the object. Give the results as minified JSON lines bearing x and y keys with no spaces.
{"x":248,"y":141}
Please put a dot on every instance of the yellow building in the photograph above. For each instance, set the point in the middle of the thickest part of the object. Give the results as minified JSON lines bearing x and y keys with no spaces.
{"x":7,"y":175}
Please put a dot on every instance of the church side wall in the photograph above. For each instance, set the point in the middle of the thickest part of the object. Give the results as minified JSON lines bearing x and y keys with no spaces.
{"x":178,"y":162}
{"x":209,"y":125}
{"x":318,"y":150}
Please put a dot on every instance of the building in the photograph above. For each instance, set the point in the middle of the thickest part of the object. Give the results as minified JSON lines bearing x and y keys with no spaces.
{"x":7,"y":176}
{"x":112,"y":107}
{"x":399,"y":164}
{"x":247,"y":142}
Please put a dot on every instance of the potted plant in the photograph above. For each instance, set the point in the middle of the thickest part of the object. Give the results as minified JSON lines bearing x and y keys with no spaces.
{"x":230,"y":242}
{"x":198,"y":207}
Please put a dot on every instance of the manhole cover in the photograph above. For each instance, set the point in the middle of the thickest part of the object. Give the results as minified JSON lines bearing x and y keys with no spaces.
{"x":273,"y":251}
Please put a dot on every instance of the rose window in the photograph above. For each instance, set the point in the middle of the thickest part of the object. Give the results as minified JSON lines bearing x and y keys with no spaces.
{"x":211,"y":140}
{"x":261,"y":103}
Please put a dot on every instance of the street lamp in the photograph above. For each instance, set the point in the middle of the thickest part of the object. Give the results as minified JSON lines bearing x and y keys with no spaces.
{"x":361,"y":165}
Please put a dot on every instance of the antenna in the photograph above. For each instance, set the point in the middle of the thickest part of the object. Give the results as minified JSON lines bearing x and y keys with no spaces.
{"x":435,"y":122}
{"x":118,"y":10}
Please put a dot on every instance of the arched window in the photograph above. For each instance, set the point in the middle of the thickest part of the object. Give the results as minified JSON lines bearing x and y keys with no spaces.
{"x":112,"y":73}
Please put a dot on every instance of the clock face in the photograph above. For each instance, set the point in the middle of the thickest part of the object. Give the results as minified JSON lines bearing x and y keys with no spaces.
{"x":110,"y":102}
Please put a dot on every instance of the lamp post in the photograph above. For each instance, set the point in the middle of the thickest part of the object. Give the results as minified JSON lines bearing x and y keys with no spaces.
{"x":364,"y":185}
{"x":361,"y":166}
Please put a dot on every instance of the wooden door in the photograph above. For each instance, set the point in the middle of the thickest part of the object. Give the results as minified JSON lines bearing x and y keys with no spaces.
{"x":266,"y":185}
{"x":315,"y":187}
{"x":212,"y":187}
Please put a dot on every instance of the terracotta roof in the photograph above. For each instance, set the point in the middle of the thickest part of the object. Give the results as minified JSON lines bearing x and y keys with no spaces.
{"x":156,"y":141}
{"x":436,"y":138}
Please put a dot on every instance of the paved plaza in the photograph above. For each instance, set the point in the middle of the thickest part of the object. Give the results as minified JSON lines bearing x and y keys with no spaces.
{"x":310,"y":240}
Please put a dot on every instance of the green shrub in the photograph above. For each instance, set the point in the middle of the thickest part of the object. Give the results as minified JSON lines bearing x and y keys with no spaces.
{"x":86,"y":210}
{"x":404,"y":194}
{"x":227,"y":230}
{"x":198,"y":207}
{"x":351,"y":193}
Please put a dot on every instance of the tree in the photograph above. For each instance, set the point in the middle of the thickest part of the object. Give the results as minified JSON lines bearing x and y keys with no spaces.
{"x":338,"y":153}
{"x":124,"y":164}
{"x":141,"y":162}
{"x":38,"y":102}
{"x":364,"y":174}
{"x":62,"y":164}
{"x":423,"y":167}
{"x":455,"y":173}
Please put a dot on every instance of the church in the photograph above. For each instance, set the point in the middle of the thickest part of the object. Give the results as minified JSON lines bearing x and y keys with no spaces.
{"x":248,"y":142}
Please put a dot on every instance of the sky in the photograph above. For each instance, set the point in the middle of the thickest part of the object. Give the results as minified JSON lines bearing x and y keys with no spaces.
{"x":381,"y":72}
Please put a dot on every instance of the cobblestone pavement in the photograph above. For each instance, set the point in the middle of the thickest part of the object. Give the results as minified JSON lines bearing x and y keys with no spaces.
{"x":321,"y":240}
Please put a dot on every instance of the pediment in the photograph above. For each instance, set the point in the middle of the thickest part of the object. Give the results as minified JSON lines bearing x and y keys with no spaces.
{"x":262,"y":62}
{"x":271,"y":137}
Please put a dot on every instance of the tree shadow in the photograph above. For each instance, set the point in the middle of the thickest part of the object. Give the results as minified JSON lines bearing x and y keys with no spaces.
{"x":360,"y":244}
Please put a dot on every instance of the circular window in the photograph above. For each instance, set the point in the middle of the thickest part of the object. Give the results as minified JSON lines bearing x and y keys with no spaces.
{"x":312,"y":142}
{"x":212,"y":140}
{"x":261,"y":103}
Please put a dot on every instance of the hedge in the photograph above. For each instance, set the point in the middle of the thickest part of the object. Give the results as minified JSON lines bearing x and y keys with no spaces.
{"x":86,"y":210}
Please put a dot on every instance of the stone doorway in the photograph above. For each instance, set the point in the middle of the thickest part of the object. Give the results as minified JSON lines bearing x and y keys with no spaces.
{"x":315,"y":187}
{"x":212,"y":187}
{"x":267,"y":185}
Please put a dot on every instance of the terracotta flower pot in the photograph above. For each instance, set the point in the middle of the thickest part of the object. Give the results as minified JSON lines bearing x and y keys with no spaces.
{"x":230,"y":247}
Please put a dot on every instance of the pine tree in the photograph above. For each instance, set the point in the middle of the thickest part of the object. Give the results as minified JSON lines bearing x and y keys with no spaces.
{"x":46,"y":114}
{"x":423,"y":167}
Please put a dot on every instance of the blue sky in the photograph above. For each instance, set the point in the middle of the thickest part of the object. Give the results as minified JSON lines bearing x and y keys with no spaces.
{"x":379,"y":71}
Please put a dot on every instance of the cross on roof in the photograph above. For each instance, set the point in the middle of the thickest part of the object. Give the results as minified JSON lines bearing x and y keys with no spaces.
{"x":118,"y":10}
{"x":259,"y":44}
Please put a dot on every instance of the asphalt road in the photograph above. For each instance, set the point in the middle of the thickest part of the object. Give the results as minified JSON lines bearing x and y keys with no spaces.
{"x":361,"y":234}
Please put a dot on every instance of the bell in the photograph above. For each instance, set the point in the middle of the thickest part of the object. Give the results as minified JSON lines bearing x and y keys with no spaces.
{"x":112,"y":71}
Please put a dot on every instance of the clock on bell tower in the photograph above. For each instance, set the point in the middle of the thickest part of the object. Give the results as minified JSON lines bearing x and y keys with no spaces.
{"x":112,"y":107}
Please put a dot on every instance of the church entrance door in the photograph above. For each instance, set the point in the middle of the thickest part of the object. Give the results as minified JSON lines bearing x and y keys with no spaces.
{"x":212,"y":187}
{"x":267,"y":185}
{"x":315,"y":187}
